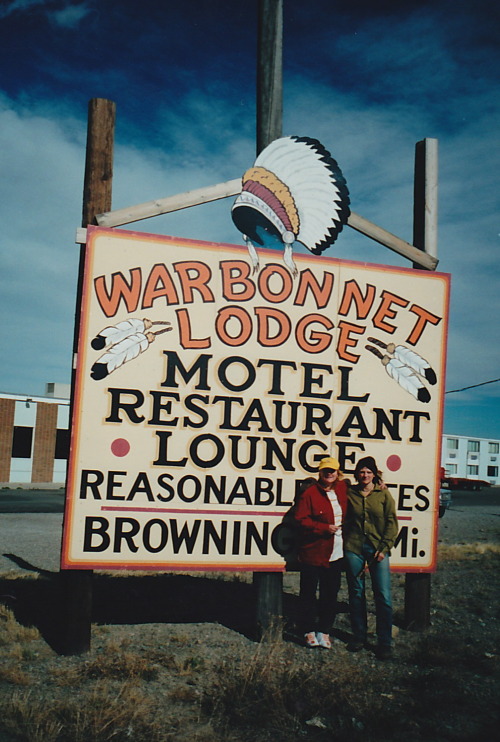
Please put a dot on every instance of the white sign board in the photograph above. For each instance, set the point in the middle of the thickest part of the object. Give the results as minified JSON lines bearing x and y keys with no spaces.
{"x":204,"y":393}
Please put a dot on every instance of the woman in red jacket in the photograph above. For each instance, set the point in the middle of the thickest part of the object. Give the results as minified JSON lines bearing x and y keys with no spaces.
{"x":319,"y":512}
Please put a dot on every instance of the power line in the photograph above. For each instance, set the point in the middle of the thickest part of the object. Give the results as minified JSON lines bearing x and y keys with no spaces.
{"x":473,"y":386}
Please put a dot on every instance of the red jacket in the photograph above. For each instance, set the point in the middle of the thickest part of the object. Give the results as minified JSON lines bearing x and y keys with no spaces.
{"x":314,"y":513}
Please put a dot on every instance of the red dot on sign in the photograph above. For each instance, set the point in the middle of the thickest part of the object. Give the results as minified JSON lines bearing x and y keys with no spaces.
{"x":393,"y":463}
{"x":120,"y":447}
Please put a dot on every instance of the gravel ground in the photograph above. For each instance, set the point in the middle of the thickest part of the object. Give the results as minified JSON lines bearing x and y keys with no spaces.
{"x":440,"y":686}
{"x":34,"y":538}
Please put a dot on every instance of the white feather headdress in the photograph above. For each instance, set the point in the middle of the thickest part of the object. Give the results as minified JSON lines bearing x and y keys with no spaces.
{"x":299,"y":188}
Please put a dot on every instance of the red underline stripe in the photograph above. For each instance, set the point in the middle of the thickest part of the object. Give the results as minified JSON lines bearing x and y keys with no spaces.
{"x":208,"y":512}
{"x":195,"y":512}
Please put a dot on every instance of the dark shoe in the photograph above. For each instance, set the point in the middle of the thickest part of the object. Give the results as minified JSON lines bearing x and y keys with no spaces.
{"x":384,"y":652}
{"x":355,"y":646}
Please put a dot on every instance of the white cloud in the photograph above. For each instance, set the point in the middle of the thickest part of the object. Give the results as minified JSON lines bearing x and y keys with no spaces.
{"x":374,"y":145}
{"x":19,"y":6}
{"x":40,"y":209}
{"x":67,"y":16}
{"x":206,"y":141}
{"x":70,"y":16}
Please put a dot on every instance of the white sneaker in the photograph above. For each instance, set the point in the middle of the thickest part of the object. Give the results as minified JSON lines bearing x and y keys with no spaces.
{"x":323,"y":640}
{"x":310,"y":639}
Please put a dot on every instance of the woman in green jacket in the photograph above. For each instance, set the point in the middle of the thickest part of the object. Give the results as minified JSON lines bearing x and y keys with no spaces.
{"x":370,"y":529}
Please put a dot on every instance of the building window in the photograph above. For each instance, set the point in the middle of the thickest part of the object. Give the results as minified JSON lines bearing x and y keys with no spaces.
{"x":472,"y":471}
{"x":492,"y":471}
{"x":22,"y":442}
{"x":452,"y":444}
{"x":62,"y":444}
{"x":473,"y":446}
{"x":451,"y":469}
{"x":493,"y":447}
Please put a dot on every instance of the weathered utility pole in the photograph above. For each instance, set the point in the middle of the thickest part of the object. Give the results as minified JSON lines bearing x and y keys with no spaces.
{"x":269,"y":73}
{"x":269,"y":585}
{"x":76,"y":585}
{"x":98,"y":182}
{"x":418,"y":584}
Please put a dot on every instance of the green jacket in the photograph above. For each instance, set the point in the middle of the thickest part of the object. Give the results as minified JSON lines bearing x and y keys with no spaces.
{"x":372,"y":518}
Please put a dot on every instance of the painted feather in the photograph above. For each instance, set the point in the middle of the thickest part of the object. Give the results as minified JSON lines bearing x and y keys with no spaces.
{"x":410,"y":358}
{"x":126,"y":350}
{"x":403,"y":375}
{"x":416,"y":362}
{"x":116,"y":333}
{"x":406,"y":378}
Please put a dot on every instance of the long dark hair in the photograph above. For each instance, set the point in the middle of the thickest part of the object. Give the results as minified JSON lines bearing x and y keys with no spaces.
{"x":368,"y":462}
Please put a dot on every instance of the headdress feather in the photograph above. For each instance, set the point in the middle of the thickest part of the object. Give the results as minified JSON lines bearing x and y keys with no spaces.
{"x":298,"y":189}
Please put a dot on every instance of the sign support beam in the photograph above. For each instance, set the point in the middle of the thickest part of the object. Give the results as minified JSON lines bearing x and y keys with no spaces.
{"x":269,"y":585}
{"x":76,"y":585}
{"x":204,"y":195}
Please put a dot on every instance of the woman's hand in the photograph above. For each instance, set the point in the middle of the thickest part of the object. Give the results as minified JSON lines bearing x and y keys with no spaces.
{"x":333,"y":529}
{"x":379,"y":556}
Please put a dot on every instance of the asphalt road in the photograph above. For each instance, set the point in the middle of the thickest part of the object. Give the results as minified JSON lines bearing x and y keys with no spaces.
{"x":31,"y":501}
{"x":490,"y":496}
{"x":52,"y":501}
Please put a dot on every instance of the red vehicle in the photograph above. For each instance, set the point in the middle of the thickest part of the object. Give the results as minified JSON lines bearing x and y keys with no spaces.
{"x":462,"y":483}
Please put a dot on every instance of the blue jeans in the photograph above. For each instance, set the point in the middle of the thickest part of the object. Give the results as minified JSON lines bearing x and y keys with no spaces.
{"x":381,"y":584}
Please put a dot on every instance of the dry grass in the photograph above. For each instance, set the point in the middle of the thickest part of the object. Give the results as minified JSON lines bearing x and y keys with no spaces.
{"x":100,"y":715}
{"x":273,"y":693}
{"x":12,"y":674}
{"x":12,"y":632}
{"x":15,"y":647}
{"x":150,"y":683}
{"x":449,"y":652}
{"x":443,"y":693}
{"x":454,"y":552}
{"x":118,"y":662}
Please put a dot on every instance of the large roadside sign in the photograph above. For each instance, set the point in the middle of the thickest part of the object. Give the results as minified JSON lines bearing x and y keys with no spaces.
{"x":206,"y":392}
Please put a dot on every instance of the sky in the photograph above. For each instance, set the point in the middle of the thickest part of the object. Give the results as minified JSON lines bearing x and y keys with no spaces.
{"x":367,"y":79}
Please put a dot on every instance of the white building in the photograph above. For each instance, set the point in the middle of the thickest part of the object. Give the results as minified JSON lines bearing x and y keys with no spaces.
{"x":472,"y":458}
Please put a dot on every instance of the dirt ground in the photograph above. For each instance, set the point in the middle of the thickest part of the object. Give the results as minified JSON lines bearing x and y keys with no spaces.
{"x":193,"y":638}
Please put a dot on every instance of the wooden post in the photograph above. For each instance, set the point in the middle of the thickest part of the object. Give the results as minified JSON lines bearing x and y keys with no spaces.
{"x":418,"y":585}
{"x":98,"y":180}
{"x":269,"y":585}
{"x":417,"y":601}
{"x":76,"y":585}
{"x":269,"y":73}
{"x":425,"y":197}
{"x":76,"y":613}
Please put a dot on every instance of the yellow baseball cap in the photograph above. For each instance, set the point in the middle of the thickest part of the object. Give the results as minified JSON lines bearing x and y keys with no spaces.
{"x":329,"y":463}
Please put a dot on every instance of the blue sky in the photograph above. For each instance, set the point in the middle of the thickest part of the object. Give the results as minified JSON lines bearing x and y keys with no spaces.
{"x":367,"y":79}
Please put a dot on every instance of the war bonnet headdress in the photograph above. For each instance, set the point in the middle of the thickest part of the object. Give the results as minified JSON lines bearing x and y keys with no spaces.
{"x":294,"y":192}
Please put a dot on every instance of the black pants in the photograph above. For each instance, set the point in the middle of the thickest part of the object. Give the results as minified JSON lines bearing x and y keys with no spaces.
{"x":319,"y":615}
